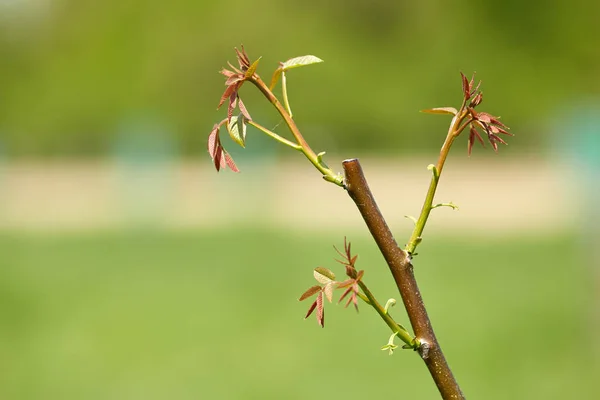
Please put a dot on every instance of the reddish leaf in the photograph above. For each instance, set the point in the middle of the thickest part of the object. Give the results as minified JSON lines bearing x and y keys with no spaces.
{"x":465,"y":86}
{"x":243,"y":59}
{"x":233,"y":79}
{"x":311,"y":309}
{"x":346,"y":283}
{"x":348,"y":290}
{"x":220,"y":157}
{"x":243,"y":109}
{"x":471,"y":85}
{"x":497,"y":139}
{"x":310,"y":292}
{"x":232,"y":102}
{"x":351,"y":271}
{"x":484,"y":117}
{"x":477,"y":100}
{"x":215,"y":149}
{"x":230,"y":163}
{"x":496,"y":129}
{"x":473,"y":133}
{"x":359,"y":275}
{"x":226,"y":95}
{"x":320,"y":311}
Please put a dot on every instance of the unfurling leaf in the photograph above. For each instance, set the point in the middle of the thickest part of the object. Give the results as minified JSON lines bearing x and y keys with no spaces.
{"x":320,"y":311}
{"x":311,"y":309}
{"x":243,"y":110}
{"x":328,"y":290}
{"x":465,"y":86}
{"x":252,"y":69}
{"x":311,"y":291}
{"x":323,"y":275}
{"x":220,"y":157}
{"x":237,"y":129}
{"x":275,"y":77}
{"x":441,"y":110}
{"x":300,"y":61}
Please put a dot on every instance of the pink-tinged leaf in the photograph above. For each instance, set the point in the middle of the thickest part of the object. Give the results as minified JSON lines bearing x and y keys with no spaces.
{"x":328,"y":290}
{"x":310,"y":292}
{"x":470,"y":145}
{"x":300,"y":61}
{"x":441,"y":110}
{"x":252,"y":69}
{"x":360,"y":275}
{"x":243,"y":109}
{"x":227,"y":73}
{"x":472,"y":112}
{"x":344,"y":284}
{"x":323,"y":275}
{"x":350,"y":300}
{"x":229,"y":162}
{"x":353,"y":260}
{"x":479,"y":124}
{"x":473,"y":133}
{"x":496,"y":121}
{"x":494,"y":145}
{"x":348,"y":290}
{"x":237,"y":129}
{"x":320,"y":311}
{"x":355,"y":301}
{"x":242,"y":57}
{"x":477,"y":100}
{"x":484,"y":117}
{"x":471,"y":84}
{"x":233,"y":79}
{"x":215,"y":149}
{"x":236,"y":70}
{"x":351,"y":271}
{"x":275,"y":77}
{"x":473,"y":91}
{"x":311,"y":309}
{"x":227,"y":94}
{"x":496,"y":129}
{"x":232,"y":103}
{"x":497,"y":139}
{"x":465,"y":86}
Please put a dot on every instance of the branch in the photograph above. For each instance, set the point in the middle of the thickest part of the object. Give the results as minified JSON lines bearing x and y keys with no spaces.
{"x":401,"y":267}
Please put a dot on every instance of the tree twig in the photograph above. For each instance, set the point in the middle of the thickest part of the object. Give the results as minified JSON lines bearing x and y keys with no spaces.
{"x":401,"y":267}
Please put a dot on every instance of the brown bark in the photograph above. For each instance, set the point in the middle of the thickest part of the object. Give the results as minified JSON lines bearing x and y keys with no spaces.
{"x":401,"y":267}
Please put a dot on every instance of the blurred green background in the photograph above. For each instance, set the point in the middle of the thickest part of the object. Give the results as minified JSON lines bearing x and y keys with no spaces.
{"x":70,"y":71}
{"x":129,"y":269}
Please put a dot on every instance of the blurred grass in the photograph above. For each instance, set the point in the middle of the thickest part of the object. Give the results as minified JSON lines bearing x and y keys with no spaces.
{"x":215,"y":315}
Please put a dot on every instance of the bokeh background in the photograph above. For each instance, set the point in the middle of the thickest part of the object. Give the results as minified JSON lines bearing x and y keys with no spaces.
{"x":130,"y":269}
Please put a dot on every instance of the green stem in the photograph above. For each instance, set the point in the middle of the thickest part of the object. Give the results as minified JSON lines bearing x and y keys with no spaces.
{"x":364,"y":298}
{"x":453,"y":131}
{"x":275,"y":136}
{"x":394,"y":326}
{"x":327,"y":173}
{"x":286,"y":101}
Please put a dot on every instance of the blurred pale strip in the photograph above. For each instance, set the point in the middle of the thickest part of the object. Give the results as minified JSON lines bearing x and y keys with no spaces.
{"x":495,"y":195}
